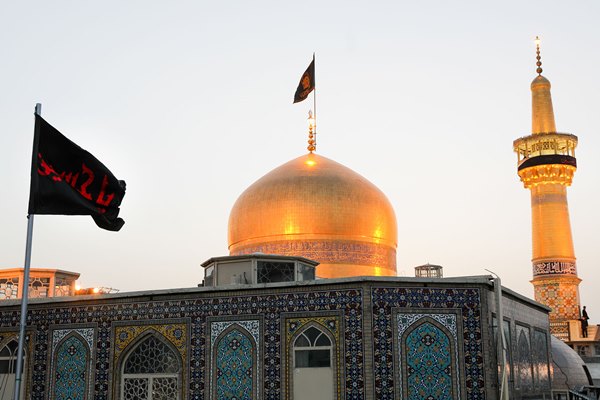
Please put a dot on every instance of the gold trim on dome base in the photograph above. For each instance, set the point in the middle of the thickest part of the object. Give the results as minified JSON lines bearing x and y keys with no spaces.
{"x":337,"y":258}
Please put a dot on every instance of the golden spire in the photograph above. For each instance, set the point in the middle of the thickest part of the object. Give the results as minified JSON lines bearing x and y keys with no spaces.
{"x":538,"y":57}
{"x":312,"y":144}
{"x":542,"y":120}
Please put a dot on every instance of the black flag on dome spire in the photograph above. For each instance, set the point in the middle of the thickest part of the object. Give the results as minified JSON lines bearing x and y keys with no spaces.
{"x":307,"y":83}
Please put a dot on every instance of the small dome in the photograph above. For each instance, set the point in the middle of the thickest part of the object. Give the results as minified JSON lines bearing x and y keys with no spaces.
{"x":567,"y":367}
{"x":316,"y":208}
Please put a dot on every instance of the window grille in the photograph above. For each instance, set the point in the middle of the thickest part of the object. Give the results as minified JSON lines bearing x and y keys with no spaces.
{"x":39,"y":287}
{"x":62,"y":287}
{"x":8,"y":368}
{"x":268,"y":272}
{"x":9,"y":288}
{"x":152,"y":371}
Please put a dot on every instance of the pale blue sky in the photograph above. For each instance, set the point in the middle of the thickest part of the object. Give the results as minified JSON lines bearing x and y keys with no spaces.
{"x":191,"y":102}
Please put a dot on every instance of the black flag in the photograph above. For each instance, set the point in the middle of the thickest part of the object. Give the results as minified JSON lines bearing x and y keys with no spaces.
{"x":67,"y":180}
{"x":307,"y":83}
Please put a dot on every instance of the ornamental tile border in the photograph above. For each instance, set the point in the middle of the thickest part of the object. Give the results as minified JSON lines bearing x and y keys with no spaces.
{"x":88,"y":333}
{"x":108,"y":314}
{"x":125,"y":334}
{"x":467,"y":300}
{"x":405,"y":320}
{"x":253,"y":327}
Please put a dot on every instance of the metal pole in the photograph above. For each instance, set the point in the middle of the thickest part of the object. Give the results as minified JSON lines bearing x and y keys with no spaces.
{"x":24,"y":296}
{"x":315,"y":100}
{"x":501,"y":344}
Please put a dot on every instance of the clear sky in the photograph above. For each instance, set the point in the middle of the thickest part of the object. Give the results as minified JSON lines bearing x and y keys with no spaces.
{"x":191,"y":102}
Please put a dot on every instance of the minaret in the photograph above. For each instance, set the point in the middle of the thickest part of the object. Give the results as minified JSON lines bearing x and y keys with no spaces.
{"x":546,"y":165}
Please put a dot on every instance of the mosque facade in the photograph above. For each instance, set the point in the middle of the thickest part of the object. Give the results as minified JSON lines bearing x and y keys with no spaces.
{"x":353,"y":338}
{"x":260,"y":326}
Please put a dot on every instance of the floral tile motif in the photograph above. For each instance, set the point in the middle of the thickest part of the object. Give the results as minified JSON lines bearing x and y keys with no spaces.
{"x":237,"y":360}
{"x":111,"y":316}
{"x":86,"y":333}
{"x":70,"y":363}
{"x":468,"y":301}
{"x":71,"y":370}
{"x":428,"y":355}
{"x":174,"y":333}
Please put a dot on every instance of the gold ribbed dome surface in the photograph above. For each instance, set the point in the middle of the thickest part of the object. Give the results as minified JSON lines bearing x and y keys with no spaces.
{"x":317,"y":208}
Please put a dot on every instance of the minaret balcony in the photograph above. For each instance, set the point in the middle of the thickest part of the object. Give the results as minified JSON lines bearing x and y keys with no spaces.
{"x":547,"y":173}
{"x":546,"y":144}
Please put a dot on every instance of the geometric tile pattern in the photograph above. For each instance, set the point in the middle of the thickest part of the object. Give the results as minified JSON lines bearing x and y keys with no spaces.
{"x":86,"y":333}
{"x":151,"y":367}
{"x":112,"y":315}
{"x":174,"y":333}
{"x":235,"y":363}
{"x":428,"y":363}
{"x":428,"y":355}
{"x":465,"y":302}
{"x":71,"y":369}
{"x":561,"y":295}
{"x":232,"y":353}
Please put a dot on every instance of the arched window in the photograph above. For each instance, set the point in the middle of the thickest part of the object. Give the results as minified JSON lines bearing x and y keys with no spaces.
{"x":71,"y":371}
{"x":8,"y":368}
{"x":151,"y":371}
{"x":523,"y":378}
{"x":429,"y":363}
{"x":235,"y":372}
{"x":312,"y":349}
{"x":313,"y":365}
{"x":540,"y":360}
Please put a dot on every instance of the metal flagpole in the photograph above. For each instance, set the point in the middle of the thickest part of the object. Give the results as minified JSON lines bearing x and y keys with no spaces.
{"x":24,"y":295}
{"x":501,"y":340}
{"x":315,"y":99}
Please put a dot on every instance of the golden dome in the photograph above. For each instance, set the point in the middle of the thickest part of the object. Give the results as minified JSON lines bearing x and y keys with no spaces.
{"x":317,"y":208}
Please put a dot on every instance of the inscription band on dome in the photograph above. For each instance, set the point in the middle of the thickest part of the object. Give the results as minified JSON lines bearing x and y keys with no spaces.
{"x":327,"y":251}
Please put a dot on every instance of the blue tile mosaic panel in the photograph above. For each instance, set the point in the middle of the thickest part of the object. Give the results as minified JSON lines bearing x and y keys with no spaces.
{"x":429,"y":360}
{"x":250,"y":328}
{"x":466,"y":302}
{"x":198,"y":310}
{"x":71,"y":369}
{"x":235,"y":364}
{"x":428,"y":364}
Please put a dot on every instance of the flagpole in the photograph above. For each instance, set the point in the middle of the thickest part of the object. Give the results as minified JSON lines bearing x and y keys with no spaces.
{"x":24,"y":294}
{"x":315,"y":100}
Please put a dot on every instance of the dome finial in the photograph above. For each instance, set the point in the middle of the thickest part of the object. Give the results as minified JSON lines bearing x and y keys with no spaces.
{"x":312,"y":144}
{"x":538,"y":57}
